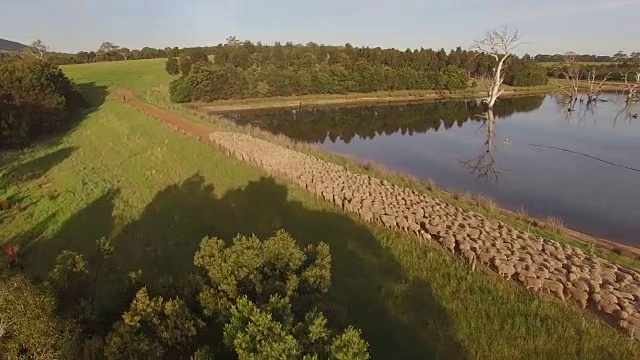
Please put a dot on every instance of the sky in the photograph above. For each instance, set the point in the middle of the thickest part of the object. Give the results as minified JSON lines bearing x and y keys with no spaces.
{"x":548,"y":26}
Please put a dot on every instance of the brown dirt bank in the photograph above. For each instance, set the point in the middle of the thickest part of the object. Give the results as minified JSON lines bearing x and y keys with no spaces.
{"x":379,"y":97}
{"x":351,"y":99}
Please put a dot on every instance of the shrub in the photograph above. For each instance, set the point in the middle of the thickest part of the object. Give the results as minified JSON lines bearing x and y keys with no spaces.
{"x":30,"y":328}
{"x":152,"y":328}
{"x":36,"y":98}
{"x":179,"y":91}
{"x":455,"y":78}
{"x":521,"y":73}
{"x":271,"y":332}
{"x":172,"y":66}
{"x":260,"y":269}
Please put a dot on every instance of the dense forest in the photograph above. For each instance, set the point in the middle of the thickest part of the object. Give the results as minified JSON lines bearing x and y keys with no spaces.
{"x":315,"y":125}
{"x":243,"y":69}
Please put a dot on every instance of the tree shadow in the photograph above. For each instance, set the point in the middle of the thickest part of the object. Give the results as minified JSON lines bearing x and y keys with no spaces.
{"x":400,"y":317}
{"x":16,"y":171}
{"x":92,"y":98}
{"x":78,"y":234}
{"x":12,"y":167}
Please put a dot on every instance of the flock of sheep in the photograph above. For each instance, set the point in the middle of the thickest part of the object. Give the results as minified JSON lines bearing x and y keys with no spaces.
{"x":563,"y":271}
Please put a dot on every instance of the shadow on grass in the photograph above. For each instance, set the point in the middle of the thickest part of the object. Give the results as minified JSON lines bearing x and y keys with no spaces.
{"x":14,"y":166}
{"x":78,"y":234}
{"x":400,"y":317}
{"x":16,"y":172}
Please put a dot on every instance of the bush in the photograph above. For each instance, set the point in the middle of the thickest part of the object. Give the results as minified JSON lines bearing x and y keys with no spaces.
{"x":455,"y":78}
{"x":272,"y":332}
{"x":172,"y":66}
{"x":36,"y":99}
{"x":153,"y":328}
{"x":522,"y":73}
{"x":30,"y":328}
{"x":259,"y":269}
{"x":179,"y":91}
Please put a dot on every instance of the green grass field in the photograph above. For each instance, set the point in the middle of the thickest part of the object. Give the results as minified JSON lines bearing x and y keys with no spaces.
{"x":156,"y":193}
{"x":137,"y":75}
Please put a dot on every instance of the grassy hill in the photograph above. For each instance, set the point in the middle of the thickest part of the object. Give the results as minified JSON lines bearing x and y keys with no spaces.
{"x":7,"y":45}
{"x":156,"y":193}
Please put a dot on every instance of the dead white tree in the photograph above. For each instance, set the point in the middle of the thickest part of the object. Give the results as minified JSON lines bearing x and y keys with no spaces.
{"x":571,"y":72}
{"x":595,"y":87}
{"x":499,"y":44}
{"x":631,"y":87}
{"x":37,"y":49}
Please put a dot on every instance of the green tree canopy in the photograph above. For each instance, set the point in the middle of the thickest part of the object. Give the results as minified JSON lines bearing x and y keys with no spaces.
{"x":152,"y":328}
{"x":172,"y":66}
{"x":271,"y":332}
{"x":259,"y":269}
{"x":524,"y":73}
{"x":29,"y":326}
{"x":36,"y":98}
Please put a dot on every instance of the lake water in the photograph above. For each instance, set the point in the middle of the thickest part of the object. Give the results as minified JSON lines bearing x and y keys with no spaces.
{"x":531,"y":156}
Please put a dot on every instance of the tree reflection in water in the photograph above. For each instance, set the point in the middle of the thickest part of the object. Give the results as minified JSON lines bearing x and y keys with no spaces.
{"x":346,"y":123}
{"x":484,"y":166}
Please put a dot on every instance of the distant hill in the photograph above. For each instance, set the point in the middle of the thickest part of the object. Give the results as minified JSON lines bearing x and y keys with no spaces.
{"x":6,"y":45}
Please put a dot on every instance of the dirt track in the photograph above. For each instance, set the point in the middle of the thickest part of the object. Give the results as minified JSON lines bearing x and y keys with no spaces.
{"x":200,"y":131}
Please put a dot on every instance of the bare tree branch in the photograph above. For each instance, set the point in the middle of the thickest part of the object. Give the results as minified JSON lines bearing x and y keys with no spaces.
{"x":499,"y":44}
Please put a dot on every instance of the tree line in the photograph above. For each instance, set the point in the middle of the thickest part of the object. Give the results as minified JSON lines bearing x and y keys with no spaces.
{"x":619,"y":56}
{"x":248,"y":299}
{"x":610,"y":71}
{"x":243,"y":70}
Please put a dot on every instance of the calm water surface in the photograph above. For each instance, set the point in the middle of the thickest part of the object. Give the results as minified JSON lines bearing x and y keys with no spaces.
{"x":516,"y":159}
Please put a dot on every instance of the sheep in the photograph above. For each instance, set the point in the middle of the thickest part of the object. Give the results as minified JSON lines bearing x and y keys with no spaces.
{"x":608,"y":307}
{"x":505,"y":269}
{"x":485,"y":257}
{"x":554,"y":288}
{"x":578,"y":295}
{"x":530,"y":282}
{"x":449,"y":242}
{"x":471,"y":258}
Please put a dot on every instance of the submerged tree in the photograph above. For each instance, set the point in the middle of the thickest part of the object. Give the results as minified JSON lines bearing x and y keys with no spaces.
{"x":595,"y":87}
{"x":500,"y":45}
{"x":571,"y":72}
{"x":631,"y":87}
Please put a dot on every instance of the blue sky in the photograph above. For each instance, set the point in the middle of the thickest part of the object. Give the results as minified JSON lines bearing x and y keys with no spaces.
{"x":549,"y":26}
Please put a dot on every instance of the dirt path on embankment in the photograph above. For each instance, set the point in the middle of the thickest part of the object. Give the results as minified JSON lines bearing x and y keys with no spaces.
{"x":562,"y":271}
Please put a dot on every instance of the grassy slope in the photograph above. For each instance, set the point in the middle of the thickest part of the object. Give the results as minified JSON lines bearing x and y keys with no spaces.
{"x":157,"y":192}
